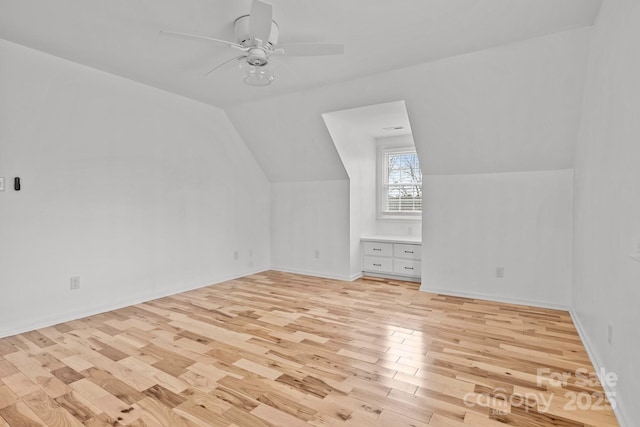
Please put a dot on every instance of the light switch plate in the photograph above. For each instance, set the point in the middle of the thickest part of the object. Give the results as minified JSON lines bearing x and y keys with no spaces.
{"x":1,"y":183}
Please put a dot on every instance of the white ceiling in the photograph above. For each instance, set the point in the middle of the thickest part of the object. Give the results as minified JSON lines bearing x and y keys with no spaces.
{"x":122,"y":36}
{"x":378,"y":120}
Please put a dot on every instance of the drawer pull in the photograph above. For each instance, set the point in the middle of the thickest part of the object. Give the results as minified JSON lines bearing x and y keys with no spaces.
{"x":377,"y":249}
{"x":408,"y":268}
{"x":378,"y":265}
{"x":408,"y":252}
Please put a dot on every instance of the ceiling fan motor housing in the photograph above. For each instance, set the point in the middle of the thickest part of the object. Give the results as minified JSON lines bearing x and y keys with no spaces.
{"x":244,"y":35}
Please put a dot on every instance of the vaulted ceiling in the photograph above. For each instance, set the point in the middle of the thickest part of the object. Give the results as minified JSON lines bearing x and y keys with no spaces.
{"x":122,"y":36}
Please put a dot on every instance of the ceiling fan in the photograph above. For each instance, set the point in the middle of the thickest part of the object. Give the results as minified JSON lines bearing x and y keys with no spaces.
{"x":257,"y":39}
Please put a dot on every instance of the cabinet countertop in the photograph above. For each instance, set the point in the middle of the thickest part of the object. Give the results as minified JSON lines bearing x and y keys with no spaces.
{"x":415,"y":240}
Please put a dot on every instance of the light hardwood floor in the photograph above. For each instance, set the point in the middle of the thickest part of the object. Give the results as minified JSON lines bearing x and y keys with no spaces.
{"x":290,"y":350}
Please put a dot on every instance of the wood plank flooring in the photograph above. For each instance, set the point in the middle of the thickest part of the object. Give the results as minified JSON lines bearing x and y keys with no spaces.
{"x":289,"y":350}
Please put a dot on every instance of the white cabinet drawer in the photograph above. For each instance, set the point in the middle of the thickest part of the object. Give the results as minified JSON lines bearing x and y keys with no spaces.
{"x":378,"y":249}
{"x":406,"y":267}
{"x":401,"y":250}
{"x":378,"y":264}
{"x":394,"y":258}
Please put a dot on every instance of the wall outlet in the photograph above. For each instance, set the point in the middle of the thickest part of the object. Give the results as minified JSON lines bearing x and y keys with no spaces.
{"x":317,"y":253}
{"x":1,"y":183}
{"x":610,"y":334}
{"x":235,"y":255}
{"x":74,"y":283}
{"x":636,"y":255}
{"x":499,"y":271}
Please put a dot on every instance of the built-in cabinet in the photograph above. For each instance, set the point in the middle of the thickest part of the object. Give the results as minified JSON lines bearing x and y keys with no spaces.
{"x":387,"y":256}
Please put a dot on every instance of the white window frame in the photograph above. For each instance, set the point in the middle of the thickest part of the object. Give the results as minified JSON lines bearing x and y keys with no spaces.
{"x":381,"y":185}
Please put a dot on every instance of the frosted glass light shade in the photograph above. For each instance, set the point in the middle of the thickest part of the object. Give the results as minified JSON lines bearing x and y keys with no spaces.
{"x":256,"y":75}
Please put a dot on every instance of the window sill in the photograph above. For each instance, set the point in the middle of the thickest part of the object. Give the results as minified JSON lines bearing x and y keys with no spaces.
{"x":391,"y":217}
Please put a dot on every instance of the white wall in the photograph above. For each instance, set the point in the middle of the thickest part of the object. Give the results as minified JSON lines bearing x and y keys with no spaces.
{"x":606,"y":285}
{"x":511,"y":108}
{"x":137,"y":191}
{"x":310,"y":228}
{"x":520,"y":221}
{"x":357,"y":151}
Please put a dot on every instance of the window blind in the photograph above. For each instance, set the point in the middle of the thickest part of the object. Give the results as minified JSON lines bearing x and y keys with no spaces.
{"x":401,"y":189}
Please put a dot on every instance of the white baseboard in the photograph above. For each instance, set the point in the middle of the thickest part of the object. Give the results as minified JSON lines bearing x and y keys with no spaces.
{"x":619,"y":409}
{"x":318,"y":274}
{"x":393,"y":277}
{"x":356,"y":276}
{"x":130,"y":300}
{"x":508,"y":300}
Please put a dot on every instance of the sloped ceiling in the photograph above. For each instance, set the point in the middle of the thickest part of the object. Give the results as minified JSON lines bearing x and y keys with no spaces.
{"x":511,"y":108}
{"x":376,"y":121}
{"x":122,"y":36}
{"x":490,"y":85}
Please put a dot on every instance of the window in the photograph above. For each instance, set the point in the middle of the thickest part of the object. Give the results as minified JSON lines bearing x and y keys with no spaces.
{"x":401,"y":186}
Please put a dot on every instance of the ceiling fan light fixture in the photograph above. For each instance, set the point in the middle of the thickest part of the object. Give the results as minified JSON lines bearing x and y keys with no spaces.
{"x":259,"y":78}
{"x":256,"y":75}
{"x":257,"y":38}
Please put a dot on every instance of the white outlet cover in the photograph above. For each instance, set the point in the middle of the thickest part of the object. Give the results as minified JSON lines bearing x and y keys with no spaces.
{"x":1,"y":183}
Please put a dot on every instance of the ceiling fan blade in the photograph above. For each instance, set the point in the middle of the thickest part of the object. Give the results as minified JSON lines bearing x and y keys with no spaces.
{"x":260,"y":20}
{"x":312,"y":49}
{"x":222,"y":64}
{"x":196,"y":37}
